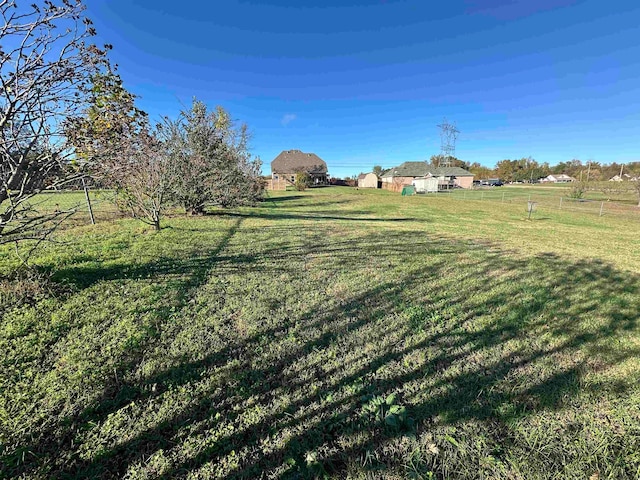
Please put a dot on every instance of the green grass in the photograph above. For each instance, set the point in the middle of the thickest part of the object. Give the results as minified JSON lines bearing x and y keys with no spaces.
{"x":331,"y":333}
{"x":615,"y":199}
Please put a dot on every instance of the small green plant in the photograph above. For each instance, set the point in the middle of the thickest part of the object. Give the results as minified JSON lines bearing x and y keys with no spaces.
{"x":386,"y":411}
{"x":578,"y":190}
{"x":303,"y":181}
{"x":421,"y":317}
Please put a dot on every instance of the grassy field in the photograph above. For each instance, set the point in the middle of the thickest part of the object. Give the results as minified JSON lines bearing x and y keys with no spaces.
{"x":335,"y":333}
{"x":606,"y":198}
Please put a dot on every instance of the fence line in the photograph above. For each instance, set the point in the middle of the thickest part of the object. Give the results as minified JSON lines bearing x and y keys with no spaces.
{"x":596,"y":207}
{"x":104,"y":206}
{"x":89,"y":206}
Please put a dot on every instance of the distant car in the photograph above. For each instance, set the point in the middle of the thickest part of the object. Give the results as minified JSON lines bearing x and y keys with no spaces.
{"x":492,"y":182}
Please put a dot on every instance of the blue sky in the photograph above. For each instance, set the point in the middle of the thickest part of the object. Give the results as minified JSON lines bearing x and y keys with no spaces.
{"x":365,"y":82}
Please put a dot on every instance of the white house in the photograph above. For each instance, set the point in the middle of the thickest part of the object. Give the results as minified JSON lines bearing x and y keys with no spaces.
{"x":623,"y":178}
{"x":558,"y":178}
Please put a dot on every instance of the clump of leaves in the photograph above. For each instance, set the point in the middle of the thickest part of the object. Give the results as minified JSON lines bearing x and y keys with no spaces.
{"x":385,"y":411}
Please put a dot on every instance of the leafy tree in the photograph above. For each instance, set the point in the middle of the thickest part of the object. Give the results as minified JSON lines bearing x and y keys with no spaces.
{"x":111,"y":121}
{"x":212,"y":160}
{"x":303,"y":181}
{"x":114,"y":142}
{"x":571,"y":168}
{"x":437,"y":160}
{"x":377,"y":169}
{"x":143,"y":176}
{"x":505,"y":170}
{"x":480,"y":171}
{"x":522,"y":170}
{"x":46,"y":68}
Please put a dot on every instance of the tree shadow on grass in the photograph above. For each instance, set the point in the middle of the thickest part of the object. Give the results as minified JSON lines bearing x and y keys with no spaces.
{"x":321,"y":215}
{"x":191,"y":271}
{"x":456,"y":331}
{"x":284,"y":198}
{"x":183,"y":276}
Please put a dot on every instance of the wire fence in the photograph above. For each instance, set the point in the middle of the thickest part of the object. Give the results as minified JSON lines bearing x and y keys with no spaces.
{"x":87,"y":207}
{"x":546,"y":200}
{"x":97,"y":205}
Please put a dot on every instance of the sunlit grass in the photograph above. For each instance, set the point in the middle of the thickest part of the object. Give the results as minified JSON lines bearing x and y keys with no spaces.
{"x":334,"y":333}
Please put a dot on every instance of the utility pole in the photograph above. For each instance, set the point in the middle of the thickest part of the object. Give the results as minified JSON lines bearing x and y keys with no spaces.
{"x":448,"y":136}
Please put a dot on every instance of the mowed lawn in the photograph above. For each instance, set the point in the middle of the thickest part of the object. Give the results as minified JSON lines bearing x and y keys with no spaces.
{"x":334,"y":333}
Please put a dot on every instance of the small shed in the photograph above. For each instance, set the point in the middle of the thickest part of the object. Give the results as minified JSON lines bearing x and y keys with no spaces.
{"x":426,"y":185}
{"x":368,"y":180}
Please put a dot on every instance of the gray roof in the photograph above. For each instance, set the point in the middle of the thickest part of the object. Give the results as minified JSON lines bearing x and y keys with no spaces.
{"x":294,"y":160}
{"x":421,"y":169}
{"x":450,"y":172}
{"x":408,"y":169}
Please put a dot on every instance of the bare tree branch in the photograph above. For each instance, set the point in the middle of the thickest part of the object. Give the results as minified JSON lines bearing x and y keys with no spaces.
{"x":46,"y":66}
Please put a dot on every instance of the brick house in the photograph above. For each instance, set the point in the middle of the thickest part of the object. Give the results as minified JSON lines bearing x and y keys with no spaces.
{"x":404,"y":174}
{"x":289,"y":162}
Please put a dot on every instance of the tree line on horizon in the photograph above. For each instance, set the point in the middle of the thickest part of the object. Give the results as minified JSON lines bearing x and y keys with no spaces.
{"x":527,"y":169}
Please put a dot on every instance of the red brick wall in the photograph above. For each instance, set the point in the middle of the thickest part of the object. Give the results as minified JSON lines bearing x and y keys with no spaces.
{"x":464,"y":182}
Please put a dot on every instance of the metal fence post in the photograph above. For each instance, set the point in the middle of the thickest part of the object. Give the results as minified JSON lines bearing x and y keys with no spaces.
{"x":560,"y":203}
{"x":503,"y":197}
{"x":601,"y":207}
{"x":86,"y":195}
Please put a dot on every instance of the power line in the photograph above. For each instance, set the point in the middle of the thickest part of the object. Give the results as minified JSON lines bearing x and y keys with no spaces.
{"x":448,"y":136}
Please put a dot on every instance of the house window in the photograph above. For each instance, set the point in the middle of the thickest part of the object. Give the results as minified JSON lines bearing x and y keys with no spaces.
{"x":275,"y":177}
{"x":293,"y":178}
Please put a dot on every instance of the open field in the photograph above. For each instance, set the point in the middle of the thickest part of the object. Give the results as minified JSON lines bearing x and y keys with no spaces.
{"x":334,"y":333}
{"x":558,"y":197}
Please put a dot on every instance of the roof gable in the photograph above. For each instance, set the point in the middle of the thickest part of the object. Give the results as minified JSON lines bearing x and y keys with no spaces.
{"x":408,"y":169}
{"x":294,"y":160}
{"x":422,"y":169}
